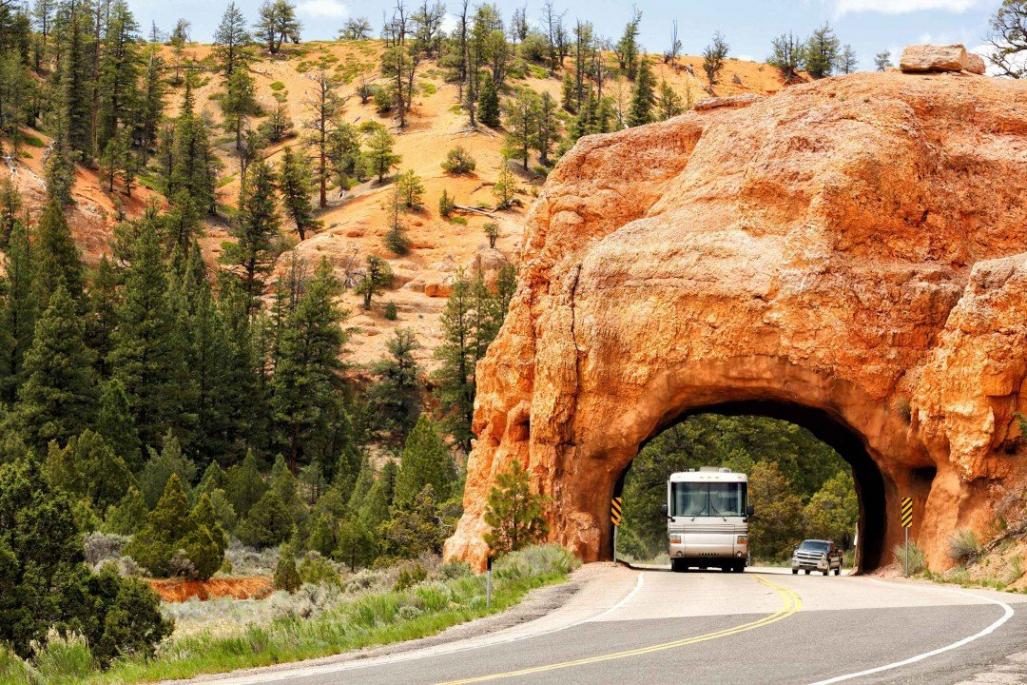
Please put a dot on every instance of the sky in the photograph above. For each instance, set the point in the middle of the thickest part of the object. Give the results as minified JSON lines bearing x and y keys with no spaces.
{"x":869,"y":26}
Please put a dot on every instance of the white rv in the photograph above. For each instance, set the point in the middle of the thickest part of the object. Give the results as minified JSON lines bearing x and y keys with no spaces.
{"x":708,"y":519}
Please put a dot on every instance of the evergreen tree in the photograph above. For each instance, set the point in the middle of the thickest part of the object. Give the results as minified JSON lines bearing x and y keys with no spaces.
{"x":345,"y":157}
{"x":488,"y":103}
{"x":76,"y":76}
{"x":286,"y":576}
{"x":295,"y":182}
{"x":410,"y":189}
{"x":425,"y":460}
{"x":147,"y":353}
{"x":193,"y":165}
{"x":151,"y":108}
{"x":231,"y":41}
{"x":627,"y":46}
{"x":380,"y":157}
{"x":57,"y":257}
{"x":394,"y":398}
{"x":244,"y":485}
{"x":417,"y":528}
{"x":18,"y":312}
{"x":847,"y":62}
{"x":168,"y":522}
{"x":833,"y":512}
{"x":128,"y":515}
{"x":505,"y":187}
{"x":120,"y":69}
{"x":786,"y":55}
{"x":668,"y":103}
{"x":57,"y":400}
{"x":514,"y":512}
{"x":374,"y":509}
{"x":115,"y":423}
{"x":376,"y":276}
{"x":46,"y":584}
{"x":254,"y":230}
{"x":306,"y":383}
{"x":238,"y":104}
{"x":643,"y":100}
{"x":395,"y":237}
{"x":10,"y":207}
{"x":325,"y":106}
{"x":548,"y":131}
{"x":88,"y":468}
{"x":356,"y":547}
{"x":714,"y":57}
{"x":277,"y":23}
{"x":268,"y":523}
{"x":161,"y":467}
{"x":521,"y":122}
{"x":882,"y":61}
{"x":778,"y":528}
{"x":59,"y":168}
{"x":821,"y":52}
{"x":454,"y":380}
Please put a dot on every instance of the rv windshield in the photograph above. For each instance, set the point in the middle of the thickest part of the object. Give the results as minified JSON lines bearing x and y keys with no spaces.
{"x":708,"y":499}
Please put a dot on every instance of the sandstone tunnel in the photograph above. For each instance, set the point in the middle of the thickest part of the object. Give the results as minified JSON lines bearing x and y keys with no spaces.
{"x":846,"y":254}
{"x":870,"y":484}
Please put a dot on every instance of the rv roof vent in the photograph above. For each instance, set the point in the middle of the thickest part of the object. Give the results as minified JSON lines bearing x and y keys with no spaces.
{"x":712,"y":469}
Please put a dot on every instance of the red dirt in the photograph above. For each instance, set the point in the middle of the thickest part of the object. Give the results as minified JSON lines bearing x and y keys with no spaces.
{"x":181,"y":590}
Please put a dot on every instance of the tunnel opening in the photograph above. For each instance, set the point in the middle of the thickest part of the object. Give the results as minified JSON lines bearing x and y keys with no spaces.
{"x":867,"y":482}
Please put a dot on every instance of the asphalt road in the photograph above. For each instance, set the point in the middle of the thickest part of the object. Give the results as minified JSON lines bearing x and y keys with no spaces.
{"x":655,"y":627}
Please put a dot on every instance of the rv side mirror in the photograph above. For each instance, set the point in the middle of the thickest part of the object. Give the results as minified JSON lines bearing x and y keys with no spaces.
{"x":749,"y":511}
{"x":663,"y":509}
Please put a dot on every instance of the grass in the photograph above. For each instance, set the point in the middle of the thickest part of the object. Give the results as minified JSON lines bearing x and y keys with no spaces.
{"x":963,"y":545}
{"x":349,"y":623}
{"x":917,"y":562}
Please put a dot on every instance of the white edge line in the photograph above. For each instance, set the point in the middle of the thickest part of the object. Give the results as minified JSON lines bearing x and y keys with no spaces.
{"x":413,"y":655}
{"x":1006,"y":615}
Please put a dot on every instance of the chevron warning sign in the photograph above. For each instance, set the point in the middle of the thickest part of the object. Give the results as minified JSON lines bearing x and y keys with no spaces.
{"x":616,"y":505}
{"x":906,"y":511}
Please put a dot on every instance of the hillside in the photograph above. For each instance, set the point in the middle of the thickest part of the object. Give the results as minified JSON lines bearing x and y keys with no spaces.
{"x":355,"y":221}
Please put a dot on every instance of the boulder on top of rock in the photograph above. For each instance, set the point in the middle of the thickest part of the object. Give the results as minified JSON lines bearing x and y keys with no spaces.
{"x":924,"y":59}
{"x":732,"y":102}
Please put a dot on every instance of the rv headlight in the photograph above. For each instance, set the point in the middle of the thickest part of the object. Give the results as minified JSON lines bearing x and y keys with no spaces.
{"x":676,"y":539}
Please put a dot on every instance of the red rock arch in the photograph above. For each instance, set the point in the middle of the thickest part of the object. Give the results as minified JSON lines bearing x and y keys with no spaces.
{"x":854,"y":246}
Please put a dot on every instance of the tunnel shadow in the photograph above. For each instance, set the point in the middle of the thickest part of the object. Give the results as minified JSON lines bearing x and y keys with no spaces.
{"x":848,"y":443}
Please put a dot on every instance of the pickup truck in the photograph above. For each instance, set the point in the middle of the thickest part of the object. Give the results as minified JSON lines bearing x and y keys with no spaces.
{"x":817,"y":555}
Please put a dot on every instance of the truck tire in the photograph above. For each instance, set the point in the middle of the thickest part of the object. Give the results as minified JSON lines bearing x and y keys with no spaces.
{"x":678,"y":565}
{"x":795,"y":571}
{"x":838,"y":571}
{"x":807,"y":571}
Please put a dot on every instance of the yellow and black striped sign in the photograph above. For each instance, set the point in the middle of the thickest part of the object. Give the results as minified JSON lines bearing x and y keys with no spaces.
{"x":616,"y":504}
{"x":907,"y":512}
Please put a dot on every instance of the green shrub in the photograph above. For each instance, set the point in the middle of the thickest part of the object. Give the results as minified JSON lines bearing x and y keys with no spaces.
{"x":1015,"y":571}
{"x":14,"y":671}
{"x":446,"y":204}
{"x":316,"y":570}
{"x":459,"y":161}
{"x":963,"y":545}
{"x":391,"y":312}
{"x":286,"y":576}
{"x":277,"y":85}
{"x":535,"y":561}
{"x":410,"y":576}
{"x":917,"y":562}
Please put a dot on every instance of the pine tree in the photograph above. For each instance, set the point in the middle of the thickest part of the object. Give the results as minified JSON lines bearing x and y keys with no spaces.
{"x":787,"y":55}
{"x":505,"y":187}
{"x":268,"y":522}
{"x":356,"y":547}
{"x":627,"y":46}
{"x":425,"y":460}
{"x":120,"y":69}
{"x":128,"y":515}
{"x":151,"y":108}
{"x":345,"y":157}
{"x":254,"y":230}
{"x":306,"y":381}
{"x":10,"y":207}
{"x":57,"y":257}
{"x":454,"y":379}
{"x":395,"y":237}
{"x":714,"y":57}
{"x":18,"y":312}
{"x":668,"y":103}
{"x":277,"y":23}
{"x":115,"y":423}
{"x":847,"y":62}
{"x":374,"y":508}
{"x":416,"y":528}
{"x":521,"y":122}
{"x":488,"y":103}
{"x":821,"y":52}
{"x":59,"y":168}
{"x":326,"y":106}
{"x":882,"y":61}
{"x":231,"y":41}
{"x":57,"y":400}
{"x":514,"y":512}
{"x":165,"y":525}
{"x":286,"y":576}
{"x":160,"y":467}
{"x":88,"y":468}
{"x":193,"y":163}
{"x":76,"y":76}
{"x":295,"y":182}
{"x":380,"y":157}
{"x":244,"y":485}
{"x":410,"y":189}
{"x":147,"y":355}
{"x":376,"y":277}
{"x":394,"y":398}
{"x":548,"y":131}
{"x":238,"y":103}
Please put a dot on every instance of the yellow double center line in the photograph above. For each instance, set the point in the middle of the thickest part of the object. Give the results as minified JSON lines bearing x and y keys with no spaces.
{"x":792,"y":604}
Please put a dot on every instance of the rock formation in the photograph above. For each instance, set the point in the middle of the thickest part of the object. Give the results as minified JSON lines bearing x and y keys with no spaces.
{"x":854,"y":247}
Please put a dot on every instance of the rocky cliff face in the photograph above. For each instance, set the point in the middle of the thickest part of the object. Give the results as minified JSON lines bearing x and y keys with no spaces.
{"x":855,"y":246}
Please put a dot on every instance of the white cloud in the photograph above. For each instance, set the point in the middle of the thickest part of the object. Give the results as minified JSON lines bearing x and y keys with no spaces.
{"x":449,"y":23}
{"x":904,"y":6}
{"x":327,"y":9}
